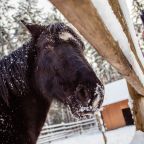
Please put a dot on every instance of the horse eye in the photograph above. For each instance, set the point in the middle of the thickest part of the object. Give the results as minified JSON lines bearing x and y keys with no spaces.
{"x":82,"y":92}
{"x":83,"y":48}
{"x":48,"y":49}
{"x":77,"y":46}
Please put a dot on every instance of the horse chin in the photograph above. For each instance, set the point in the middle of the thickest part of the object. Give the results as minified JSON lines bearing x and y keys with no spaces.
{"x":88,"y":109}
{"x":82,"y":112}
{"x":79,"y":111}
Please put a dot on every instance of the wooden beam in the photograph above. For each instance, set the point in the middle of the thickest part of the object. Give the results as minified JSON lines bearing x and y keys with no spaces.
{"x":83,"y":15}
{"x":138,"y":100}
{"x":119,"y":14}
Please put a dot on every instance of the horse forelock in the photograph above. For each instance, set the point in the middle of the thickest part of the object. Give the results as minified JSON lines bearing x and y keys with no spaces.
{"x":62,"y":32}
{"x":66,"y":36}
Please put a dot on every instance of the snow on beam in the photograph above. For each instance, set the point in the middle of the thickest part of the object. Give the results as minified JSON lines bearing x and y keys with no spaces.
{"x":123,"y":16}
{"x":85,"y":17}
{"x":131,"y":30}
{"x":121,"y":11}
{"x":116,"y":30}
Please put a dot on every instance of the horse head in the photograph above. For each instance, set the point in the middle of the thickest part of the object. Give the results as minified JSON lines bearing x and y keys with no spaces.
{"x":62,"y":72}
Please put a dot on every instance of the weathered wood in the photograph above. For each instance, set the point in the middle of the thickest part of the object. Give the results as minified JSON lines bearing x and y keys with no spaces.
{"x":138,"y":108}
{"x":83,"y":15}
{"x":138,"y":101}
{"x":119,"y":14}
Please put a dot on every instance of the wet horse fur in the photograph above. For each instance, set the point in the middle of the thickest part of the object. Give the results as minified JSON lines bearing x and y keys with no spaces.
{"x":51,"y":65}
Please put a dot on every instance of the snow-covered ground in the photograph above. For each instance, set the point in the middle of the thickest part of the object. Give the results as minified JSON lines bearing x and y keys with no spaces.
{"x":119,"y":136}
{"x":138,"y":138}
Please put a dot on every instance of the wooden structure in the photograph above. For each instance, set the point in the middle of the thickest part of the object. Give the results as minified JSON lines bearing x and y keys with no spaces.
{"x":85,"y":17}
{"x":116,"y":109}
{"x":114,"y":115}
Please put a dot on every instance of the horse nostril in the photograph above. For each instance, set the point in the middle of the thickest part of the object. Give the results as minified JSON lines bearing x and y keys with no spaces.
{"x":82,"y":92}
{"x":83,"y":96}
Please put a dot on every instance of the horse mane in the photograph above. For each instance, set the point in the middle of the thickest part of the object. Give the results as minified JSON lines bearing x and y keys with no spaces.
{"x":13,"y":69}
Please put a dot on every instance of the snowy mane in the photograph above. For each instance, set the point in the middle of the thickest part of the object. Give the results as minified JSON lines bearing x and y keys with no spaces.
{"x":13,"y":69}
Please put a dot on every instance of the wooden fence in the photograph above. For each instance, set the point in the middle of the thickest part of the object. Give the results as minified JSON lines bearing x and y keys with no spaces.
{"x":65,"y":130}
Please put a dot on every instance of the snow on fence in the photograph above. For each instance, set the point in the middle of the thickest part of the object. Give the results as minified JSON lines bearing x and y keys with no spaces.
{"x":65,"y":130}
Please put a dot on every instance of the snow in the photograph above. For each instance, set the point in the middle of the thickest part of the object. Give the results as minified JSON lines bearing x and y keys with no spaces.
{"x":131,"y":30}
{"x":138,"y":138}
{"x":116,"y":30}
{"x":115,"y":92}
{"x":119,"y":136}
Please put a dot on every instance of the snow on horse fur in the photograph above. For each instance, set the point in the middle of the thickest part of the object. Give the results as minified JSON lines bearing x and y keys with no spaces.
{"x":51,"y":65}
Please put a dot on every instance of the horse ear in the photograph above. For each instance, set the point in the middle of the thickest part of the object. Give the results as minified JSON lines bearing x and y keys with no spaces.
{"x":34,"y":29}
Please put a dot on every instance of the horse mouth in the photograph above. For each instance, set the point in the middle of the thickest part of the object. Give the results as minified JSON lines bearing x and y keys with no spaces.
{"x":83,"y":111}
{"x":92,"y":105}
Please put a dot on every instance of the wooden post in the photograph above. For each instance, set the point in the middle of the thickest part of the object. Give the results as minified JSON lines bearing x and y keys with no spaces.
{"x":138,"y":100}
{"x":101,"y":127}
{"x":84,"y":16}
{"x":138,"y":108}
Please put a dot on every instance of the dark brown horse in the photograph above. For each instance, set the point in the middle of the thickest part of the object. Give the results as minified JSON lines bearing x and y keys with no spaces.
{"x":50,"y":66}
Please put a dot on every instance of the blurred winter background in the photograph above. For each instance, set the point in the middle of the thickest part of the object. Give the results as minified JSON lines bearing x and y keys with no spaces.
{"x":13,"y":34}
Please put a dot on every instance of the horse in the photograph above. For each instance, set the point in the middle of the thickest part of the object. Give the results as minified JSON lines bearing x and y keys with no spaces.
{"x":51,"y":65}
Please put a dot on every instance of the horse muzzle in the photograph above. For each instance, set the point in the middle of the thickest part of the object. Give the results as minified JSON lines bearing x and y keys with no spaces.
{"x":87,"y":104}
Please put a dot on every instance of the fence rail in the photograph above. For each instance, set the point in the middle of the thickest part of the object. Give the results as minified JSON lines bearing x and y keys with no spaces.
{"x":65,"y":130}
